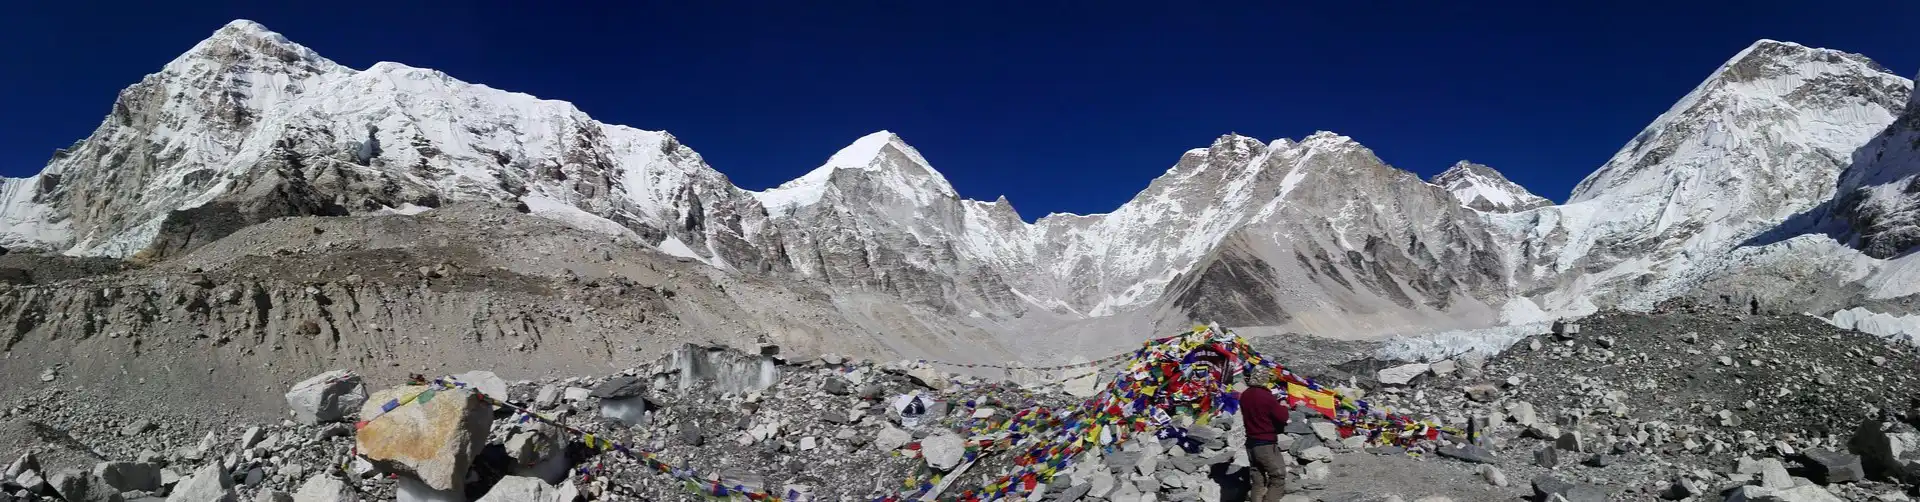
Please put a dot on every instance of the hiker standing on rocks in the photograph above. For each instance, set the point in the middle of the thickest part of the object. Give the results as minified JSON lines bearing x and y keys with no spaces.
{"x":1264,"y":416}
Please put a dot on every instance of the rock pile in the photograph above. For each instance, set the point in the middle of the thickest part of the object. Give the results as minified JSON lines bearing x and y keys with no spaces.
{"x":1631,"y":407}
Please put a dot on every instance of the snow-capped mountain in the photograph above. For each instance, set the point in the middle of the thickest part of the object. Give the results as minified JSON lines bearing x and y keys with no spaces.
{"x":1317,"y":234}
{"x":1480,"y":187}
{"x":1764,"y":138}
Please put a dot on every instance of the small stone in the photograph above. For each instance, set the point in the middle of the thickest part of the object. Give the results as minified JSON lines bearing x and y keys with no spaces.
{"x":136,"y":428}
{"x":1493,"y":475}
{"x":1548,"y":457}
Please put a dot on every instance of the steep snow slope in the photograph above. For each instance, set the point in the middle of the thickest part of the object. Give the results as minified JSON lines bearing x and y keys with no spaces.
{"x":1480,"y":187}
{"x":1879,"y":196}
{"x":332,"y":140}
{"x":1762,"y":139}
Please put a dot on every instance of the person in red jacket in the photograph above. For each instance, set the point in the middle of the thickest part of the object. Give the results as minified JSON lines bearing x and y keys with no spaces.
{"x":1264,"y":417}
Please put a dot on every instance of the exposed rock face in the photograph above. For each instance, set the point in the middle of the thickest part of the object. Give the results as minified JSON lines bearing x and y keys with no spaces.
{"x":433,"y":439}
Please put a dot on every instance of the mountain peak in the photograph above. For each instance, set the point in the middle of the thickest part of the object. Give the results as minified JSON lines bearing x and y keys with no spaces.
{"x":881,"y":157}
{"x":244,"y":39}
{"x":1480,"y":187}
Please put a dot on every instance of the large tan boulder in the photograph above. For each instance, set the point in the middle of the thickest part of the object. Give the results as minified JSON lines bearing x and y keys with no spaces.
{"x":432,"y":439}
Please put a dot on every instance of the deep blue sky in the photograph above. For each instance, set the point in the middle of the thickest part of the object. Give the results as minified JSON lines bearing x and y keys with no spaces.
{"x":1073,"y":106}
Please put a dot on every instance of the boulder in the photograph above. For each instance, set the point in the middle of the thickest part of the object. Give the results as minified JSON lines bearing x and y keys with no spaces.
{"x":31,"y":481}
{"x":75,"y":485}
{"x":486,"y":382}
{"x":891,"y":438}
{"x":1081,"y":381}
{"x":928,"y":377}
{"x":1885,"y":455}
{"x":137,"y":427}
{"x":1834,"y":467}
{"x":836,"y":386}
{"x":1682,"y":489}
{"x":619,"y":388}
{"x":1547,"y":487}
{"x":407,"y":489}
{"x":1468,"y":453}
{"x":25,"y":462}
{"x":432,"y":439}
{"x":547,"y":397}
{"x":1808,"y":493}
{"x":1443,"y":368}
{"x":1493,"y":475}
{"x":1317,"y":454}
{"x":1402,"y":374}
{"x":1571,"y":441}
{"x":326,"y":397}
{"x":626,"y":410}
{"x":272,"y":496}
{"x":1522,"y":413}
{"x":533,"y":444}
{"x":1548,"y":457}
{"x":128,"y":476}
{"x":209,"y":484}
{"x":1326,"y":431}
{"x":1482,"y":392}
{"x":943,"y":450}
{"x":519,"y":489}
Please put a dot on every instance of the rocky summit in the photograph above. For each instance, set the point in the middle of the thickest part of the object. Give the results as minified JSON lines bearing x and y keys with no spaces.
{"x":390,"y":284}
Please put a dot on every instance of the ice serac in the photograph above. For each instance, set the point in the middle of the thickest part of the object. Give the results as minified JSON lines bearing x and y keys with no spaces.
{"x":248,"y":126}
{"x":1761,"y":139}
{"x":1480,"y":187}
{"x":1879,"y":195}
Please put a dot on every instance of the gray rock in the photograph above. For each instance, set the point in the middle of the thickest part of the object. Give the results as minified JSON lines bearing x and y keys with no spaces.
{"x":485,"y":382}
{"x":1571,"y":441}
{"x":1482,"y":392}
{"x":1834,"y":467}
{"x":1387,"y":450}
{"x":1303,"y":443}
{"x":1317,"y":454}
{"x":255,"y":476}
{"x":891,"y":438}
{"x":1297,"y":424}
{"x":691,"y":436}
{"x":137,"y":427}
{"x":1074,"y":493}
{"x":943,"y":450}
{"x":128,"y":476}
{"x":1599,"y":460}
{"x":836,"y":386}
{"x":1401,"y":375}
{"x":547,"y":397}
{"x":31,"y":481}
{"x":1493,"y":475}
{"x":619,"y":388}
{"x":1326,"y":431}
{"x":1808,"y":493}
{"x":1548,"y":457}
{"x":1884,"y":455}
{"x":519,"y":489}
{"x":1545,"y":487}
{"x":272,"y":496}
{"x":1468,"y":453}
{"x":1682,"y":489}
{"x":209,"y":484}
{"x":75,"y":485}
{"x":25,"y":462}
{"x":326,"y":397}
